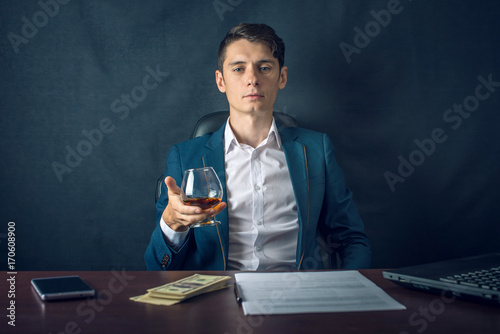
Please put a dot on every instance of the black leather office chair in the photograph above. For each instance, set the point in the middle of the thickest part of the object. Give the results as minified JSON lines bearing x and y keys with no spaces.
{"x":213,"y":121}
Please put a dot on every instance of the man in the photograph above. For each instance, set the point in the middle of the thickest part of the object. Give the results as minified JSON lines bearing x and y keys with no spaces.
{"x":283,"y":189}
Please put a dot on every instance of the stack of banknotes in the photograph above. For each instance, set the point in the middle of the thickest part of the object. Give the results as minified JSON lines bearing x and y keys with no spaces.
{"x":175,"y":292}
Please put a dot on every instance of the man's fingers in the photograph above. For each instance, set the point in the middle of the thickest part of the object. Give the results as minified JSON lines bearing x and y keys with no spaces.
{"x":219,"y":207}
{"x":177,"y":211}
{"x":172,"y":186}
{"x":188,"y":210}
{"x":194,"y":213}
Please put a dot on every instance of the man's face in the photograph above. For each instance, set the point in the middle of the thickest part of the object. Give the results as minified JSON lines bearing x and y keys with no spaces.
{"x":251,"y":77}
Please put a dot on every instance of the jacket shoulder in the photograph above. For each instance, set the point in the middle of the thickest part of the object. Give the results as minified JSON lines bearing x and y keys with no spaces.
{"x":211,"y":139}
{"x":302,"y":134}
{"x":195,"y":142}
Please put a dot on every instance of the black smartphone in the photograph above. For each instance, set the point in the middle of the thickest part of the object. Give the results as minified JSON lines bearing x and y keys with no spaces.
{"x":63,"y":287}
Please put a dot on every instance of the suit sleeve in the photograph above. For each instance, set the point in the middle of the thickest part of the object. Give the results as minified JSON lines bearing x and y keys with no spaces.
{"x":344,"y":225}
{"x":159,"y":255}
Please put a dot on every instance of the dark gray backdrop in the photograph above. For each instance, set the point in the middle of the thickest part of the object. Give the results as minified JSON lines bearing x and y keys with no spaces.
{"x":385,"y":79}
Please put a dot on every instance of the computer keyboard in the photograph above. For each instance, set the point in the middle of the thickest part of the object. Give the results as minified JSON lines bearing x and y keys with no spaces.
{"x":488,"y":279}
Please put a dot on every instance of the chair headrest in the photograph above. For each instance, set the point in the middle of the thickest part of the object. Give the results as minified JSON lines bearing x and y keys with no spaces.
{"x":213,"y":121}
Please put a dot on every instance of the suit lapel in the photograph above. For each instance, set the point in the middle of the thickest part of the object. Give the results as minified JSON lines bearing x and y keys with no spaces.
{"x":296,"y":157}
{"x":214,"y":157}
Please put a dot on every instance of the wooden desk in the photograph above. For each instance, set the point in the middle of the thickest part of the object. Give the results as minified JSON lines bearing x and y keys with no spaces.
{"x":218,"y":312}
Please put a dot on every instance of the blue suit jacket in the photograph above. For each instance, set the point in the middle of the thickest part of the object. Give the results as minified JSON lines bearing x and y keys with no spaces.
{"x":329,"y":222}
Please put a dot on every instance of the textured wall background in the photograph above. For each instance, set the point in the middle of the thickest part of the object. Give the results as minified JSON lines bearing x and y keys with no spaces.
{"x":94,"y":93}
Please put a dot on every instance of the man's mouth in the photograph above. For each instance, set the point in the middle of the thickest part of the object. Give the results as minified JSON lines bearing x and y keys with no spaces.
{"x":254,"y":96}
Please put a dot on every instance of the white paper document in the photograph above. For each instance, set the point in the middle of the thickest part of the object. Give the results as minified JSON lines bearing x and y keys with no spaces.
{"x":311,"y":292}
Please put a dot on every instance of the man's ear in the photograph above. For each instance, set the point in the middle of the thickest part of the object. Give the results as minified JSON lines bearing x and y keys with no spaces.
{"x":283,"y":77}
{"x":219,"y":80}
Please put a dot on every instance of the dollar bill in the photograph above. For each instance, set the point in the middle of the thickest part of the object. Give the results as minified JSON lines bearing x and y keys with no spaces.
{"x":146,"y":298}
{"x":189,"y":286}
{"x":175,"y":292}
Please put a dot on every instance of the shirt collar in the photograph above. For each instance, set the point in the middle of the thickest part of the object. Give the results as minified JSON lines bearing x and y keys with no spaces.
{"x":230,"y":138}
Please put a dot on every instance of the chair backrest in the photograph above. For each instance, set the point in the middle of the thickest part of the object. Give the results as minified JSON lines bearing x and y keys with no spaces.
{"x":213,"y":121}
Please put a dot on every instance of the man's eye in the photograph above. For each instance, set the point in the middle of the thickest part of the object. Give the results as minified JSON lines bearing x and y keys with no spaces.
{"x":265,"y":68}
{"x":237,"y":69}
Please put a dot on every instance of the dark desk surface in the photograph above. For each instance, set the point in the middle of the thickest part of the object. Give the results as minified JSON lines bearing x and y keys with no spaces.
{"x":218,"y":312}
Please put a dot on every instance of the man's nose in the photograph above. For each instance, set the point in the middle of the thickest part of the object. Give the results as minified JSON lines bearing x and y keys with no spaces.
{"x":252,"y":79}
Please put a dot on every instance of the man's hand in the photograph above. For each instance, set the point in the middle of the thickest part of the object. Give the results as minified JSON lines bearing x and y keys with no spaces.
{"x":179,"y":216}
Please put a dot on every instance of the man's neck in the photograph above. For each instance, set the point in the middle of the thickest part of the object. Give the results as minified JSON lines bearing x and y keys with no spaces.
{"x":250,"y":129}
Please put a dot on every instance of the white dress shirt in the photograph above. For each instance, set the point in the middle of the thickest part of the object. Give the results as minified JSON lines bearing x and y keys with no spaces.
{"x":262,"y":211}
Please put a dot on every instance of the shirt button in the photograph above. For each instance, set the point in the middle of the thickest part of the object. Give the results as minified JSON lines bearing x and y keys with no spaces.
{"x":257,"y":188}
{"x":258,"y":248}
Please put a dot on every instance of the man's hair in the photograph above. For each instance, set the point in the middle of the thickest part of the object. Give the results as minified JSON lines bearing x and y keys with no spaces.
{"x":253,"y":33}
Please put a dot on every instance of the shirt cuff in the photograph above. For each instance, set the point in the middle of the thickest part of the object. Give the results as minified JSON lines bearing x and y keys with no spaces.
{"x":173,"y":238}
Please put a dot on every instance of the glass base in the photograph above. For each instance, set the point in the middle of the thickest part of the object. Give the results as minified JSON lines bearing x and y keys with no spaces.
{"x":206,"y":223}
